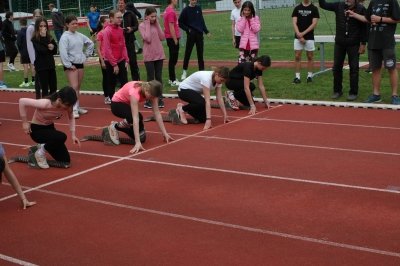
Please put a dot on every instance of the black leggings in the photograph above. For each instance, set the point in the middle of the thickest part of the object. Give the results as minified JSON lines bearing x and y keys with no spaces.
{"x":196,"y":106}
{"x":124,"y":111}
{"x":53,"y":139}
{"x":173,"y":57}
{"x":237,"y":85}
{"x":47,"y":80}
{"x":193,"y":38}
{"x":122,"y":77}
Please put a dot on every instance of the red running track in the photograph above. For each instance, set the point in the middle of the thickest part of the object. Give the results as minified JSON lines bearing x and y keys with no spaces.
{"x":293,"y":185}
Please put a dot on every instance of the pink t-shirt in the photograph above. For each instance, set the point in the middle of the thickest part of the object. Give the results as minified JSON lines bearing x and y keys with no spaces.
{"x":171,"y":17}
{"x":123,"y":95}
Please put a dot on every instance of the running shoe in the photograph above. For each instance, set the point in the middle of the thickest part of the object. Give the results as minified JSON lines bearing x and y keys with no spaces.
{"x":161,"y":103}
{"x":24,"y":85}
{"x":41,"y":160}
{"x":148,"y":105}
{"x":373,"y":98}
{"x":233,"y":103}
{"x":395,"y":100}
{"x":113,"y":132}
{"x":82,"y":111}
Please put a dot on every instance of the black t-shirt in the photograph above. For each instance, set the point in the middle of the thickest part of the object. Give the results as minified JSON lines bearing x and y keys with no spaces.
{"x":244,"y":70}
{"x":381,"y":35}
{"x":305,"y":16}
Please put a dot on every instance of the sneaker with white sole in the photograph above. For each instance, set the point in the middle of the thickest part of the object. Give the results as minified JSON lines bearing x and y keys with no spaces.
{"x":174,"y":83}
{"x":113,"y":132}
{"x":41,"y":160}
{"x":3,"y":86}
{"x":233,"y":103}
{"x":11,"y":67}
{"x":148,"y":104}
{"x":82,"y":111}
{"x":183,"y":75}
{"x":24,"y":85}
{"x":107,"y":100}
{"x":75,"y":113}
{"x":32,"y":83}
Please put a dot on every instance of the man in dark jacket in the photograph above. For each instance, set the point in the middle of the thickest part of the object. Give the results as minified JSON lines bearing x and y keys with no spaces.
{"x":58,"y":21}
{"x":130,"y":24}
{"x":350,"y":39}
{"x":10,"y":36}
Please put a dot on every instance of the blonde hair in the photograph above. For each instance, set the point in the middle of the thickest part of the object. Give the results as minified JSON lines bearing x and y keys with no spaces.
{"x":154,"y":87}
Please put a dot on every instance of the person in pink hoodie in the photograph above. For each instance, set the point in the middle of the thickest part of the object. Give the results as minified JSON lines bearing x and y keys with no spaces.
{"x":115,"y":55}
{"x":248,"y":25}
{"x":153,"y":51}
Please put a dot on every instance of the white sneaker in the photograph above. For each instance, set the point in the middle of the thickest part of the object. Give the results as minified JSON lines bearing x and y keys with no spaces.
{"x":183,"y":75}
{"x":24,"y":84}
{"x":41,"y":160}
{"x":175,"y":83}
{"x":76,"y":113}
{"x":233,"y":103}
{"x":112,"y":131}
{"x":32,"y":83}
{"x":3,"y":86}
{"x":11,"y":67}
{"x":107,"y":100}
{"x":82,"y":111}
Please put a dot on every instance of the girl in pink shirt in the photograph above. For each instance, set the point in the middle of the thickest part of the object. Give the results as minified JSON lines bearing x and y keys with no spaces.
{"x":42,"y":130}
{"x":153,"y":51}
{"x":103,"y":22}
{"x":125,"y":105}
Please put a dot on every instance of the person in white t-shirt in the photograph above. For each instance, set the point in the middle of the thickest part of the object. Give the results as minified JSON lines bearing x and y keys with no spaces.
{"x":198,"y":106}
{"x":235,"y":16}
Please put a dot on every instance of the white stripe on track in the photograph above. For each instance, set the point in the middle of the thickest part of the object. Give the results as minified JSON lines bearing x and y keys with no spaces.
{"x":16,"y":261}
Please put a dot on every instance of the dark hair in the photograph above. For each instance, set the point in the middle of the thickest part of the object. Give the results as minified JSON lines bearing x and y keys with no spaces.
{"x":23,"y":21}
{"x":51,"y":5}
{"x":9,"y":14}
{"x":2,"y":165}
{"x":67,"y":95}
{"x":223,"y":72}
{"x":249,"y":5}
{"x":100,"y":25}
{"x":150,"y":10}
{"x":36,"y":33}
{"x":69,"y":19}
{"x":264,"y":60}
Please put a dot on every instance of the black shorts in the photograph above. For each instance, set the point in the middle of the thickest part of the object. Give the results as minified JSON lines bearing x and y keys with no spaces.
{"x":2,"y":56}
{"x":376,"y":56}
{"x":25,"y":59}
{"x":78,"y":66}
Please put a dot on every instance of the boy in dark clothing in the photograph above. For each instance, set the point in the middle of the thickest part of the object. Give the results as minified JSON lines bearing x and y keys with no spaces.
{"x":23,"y":51}
{"x":58,"y":20}
{"x":130,"y":24}
{"x":191,"y":20}
{"x":131,"y":7}
{"x":10,"y":36}
{"x":350,"y":39}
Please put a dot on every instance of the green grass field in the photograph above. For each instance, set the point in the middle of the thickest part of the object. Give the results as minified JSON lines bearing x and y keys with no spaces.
{"x":276,"y":40}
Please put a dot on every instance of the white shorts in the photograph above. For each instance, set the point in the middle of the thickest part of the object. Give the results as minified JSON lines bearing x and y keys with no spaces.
{"x":308,"y":46}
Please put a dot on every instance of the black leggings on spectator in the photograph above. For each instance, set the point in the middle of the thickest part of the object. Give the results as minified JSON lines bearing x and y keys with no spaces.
{"x":173,"y":58}
{"x":122,"y":77}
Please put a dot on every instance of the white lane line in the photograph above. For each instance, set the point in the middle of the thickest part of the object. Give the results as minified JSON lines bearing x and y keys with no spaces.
{"x":120,"y":159}
{"x":228,"y":225}
{"x":16,"y":261}
{"x":269,"y":176}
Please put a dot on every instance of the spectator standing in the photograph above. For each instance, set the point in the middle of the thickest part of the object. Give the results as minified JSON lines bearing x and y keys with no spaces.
{"x":37,"y":13}
{"x":235,"y":15}
{"x":58,"y":20}
{"x":130,"y":25}
{"x":304,"y":18}
{"x":100,"y":51}
{"x":115,"y":53}
{"x":45,"y":49}
{"x":153,"y":51}
{"x":172,"y":34}
{"x":73,"y":57}
{"x":2,"y":60}
{"x":248,"y":25}
{"x":383,"y":16}
{"x":131,"y":7}
{"x":350,"y":39}
{"x":10,"y":36}
{"x":93,"y":19}
{"x":23,"y":51}
{"x":191,"y":20}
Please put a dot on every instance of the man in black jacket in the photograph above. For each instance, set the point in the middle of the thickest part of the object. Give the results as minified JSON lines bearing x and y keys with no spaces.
{"x":130,"y":24}
{"x":10,"y":36}
{"x":350,"y":39}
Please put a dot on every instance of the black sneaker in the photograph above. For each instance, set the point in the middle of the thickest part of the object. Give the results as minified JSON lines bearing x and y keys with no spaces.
{"x":161,"y":103}
{"x":309,"y":79}
{"x":296,"y":81}
{"x":148,"y":105}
